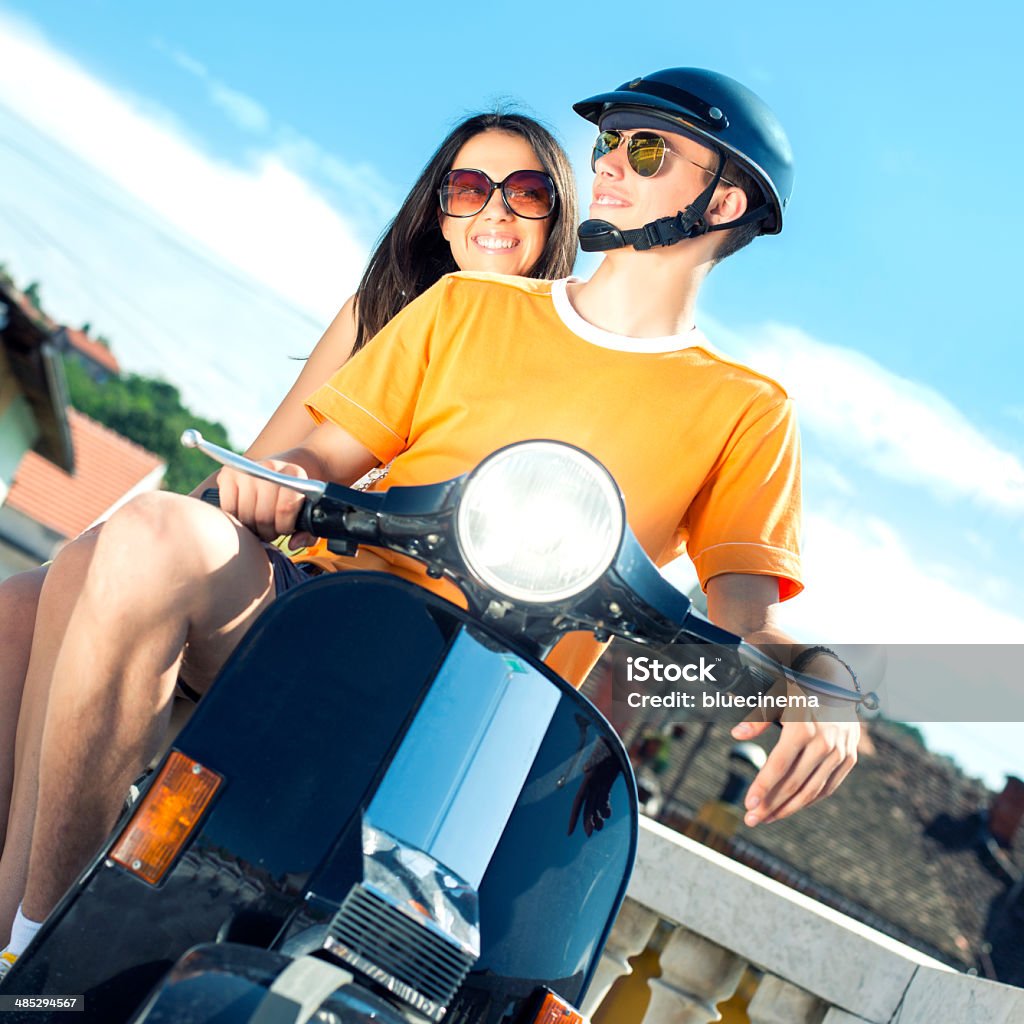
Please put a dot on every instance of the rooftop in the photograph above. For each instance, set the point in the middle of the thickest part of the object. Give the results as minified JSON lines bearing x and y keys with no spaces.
{"x":92,"y":349}
{"x":108,"y":466}
{"x":26,"y":334}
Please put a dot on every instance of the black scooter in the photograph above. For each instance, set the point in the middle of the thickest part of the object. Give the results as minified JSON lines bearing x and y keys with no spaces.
{"x":387,"y":808}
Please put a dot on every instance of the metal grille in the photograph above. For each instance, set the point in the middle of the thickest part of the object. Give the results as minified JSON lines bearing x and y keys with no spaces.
{"x":409,"y":958}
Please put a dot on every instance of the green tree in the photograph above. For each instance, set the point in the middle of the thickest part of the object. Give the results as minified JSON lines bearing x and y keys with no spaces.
{"x":31,"y":293}
{"x":150,"y":413}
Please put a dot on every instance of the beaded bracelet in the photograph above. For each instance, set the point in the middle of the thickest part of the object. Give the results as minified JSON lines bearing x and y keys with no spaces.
{"x":811,"y":653}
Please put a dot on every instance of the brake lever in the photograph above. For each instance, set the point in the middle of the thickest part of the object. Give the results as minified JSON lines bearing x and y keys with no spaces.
{"x":313,"y":489}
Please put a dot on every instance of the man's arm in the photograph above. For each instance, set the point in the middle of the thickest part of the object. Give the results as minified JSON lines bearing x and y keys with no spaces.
{"x":811,"y":757}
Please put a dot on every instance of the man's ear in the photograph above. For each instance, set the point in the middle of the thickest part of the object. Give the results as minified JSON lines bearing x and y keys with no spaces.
{"x":728,"y":204}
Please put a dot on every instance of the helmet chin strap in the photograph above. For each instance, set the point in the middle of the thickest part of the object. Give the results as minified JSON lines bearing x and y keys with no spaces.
{"x":600,"y":235}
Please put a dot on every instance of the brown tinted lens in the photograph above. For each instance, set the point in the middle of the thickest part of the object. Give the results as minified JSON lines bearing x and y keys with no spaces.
{"x":529,"y":194}
{"x":464,"y":192}
{"x":646,"y":153}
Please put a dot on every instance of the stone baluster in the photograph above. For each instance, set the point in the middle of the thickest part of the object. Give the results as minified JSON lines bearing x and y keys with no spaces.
{"x":696,"y":975}
{"x":780,"y":1002}
{"x":630,"y":934}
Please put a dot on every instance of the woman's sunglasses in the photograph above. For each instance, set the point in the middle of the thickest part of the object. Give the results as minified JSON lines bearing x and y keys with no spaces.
{"x":464,"y":192}
{"x":645,"y":152}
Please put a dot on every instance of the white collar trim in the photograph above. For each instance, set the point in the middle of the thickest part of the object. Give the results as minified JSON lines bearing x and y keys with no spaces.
{"x":693,"y":338}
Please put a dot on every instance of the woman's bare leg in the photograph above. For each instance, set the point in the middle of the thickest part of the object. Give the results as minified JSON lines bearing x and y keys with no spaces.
{"x":204,"y":581}
{"x":19,"y":596}
{"x":48,"y":608}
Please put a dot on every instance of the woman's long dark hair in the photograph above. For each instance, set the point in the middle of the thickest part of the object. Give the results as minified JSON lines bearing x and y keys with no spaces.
{"x":413,"y":254}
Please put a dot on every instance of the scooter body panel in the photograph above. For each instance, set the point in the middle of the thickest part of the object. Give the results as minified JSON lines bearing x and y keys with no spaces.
{"x":343,"y":681}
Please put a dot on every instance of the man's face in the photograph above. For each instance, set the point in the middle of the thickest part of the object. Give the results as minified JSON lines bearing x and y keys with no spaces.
{"x":624,"y":198}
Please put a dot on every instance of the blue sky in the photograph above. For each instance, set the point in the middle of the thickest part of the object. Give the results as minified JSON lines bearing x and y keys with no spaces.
{"x":202,"y":183}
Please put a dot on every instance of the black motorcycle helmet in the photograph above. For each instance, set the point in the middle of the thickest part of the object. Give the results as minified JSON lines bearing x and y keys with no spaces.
{"x":721,"y":113}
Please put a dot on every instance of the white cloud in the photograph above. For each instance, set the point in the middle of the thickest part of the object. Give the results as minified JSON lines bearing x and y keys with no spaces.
{"x":242,"y":109}
{"x":373,"y":204}
{"x":264,"y":219}
{"x":900,"y":428}
{"x":246,"y":112}
{"x":103,"y":256}
{"x":865,"y":586}
{"x":830,"y":476}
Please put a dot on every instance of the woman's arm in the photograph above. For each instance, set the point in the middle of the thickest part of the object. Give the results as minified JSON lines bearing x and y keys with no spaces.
{"x":290,"y":423}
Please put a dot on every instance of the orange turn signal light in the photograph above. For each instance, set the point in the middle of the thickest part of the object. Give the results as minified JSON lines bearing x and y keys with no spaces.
{"x":166,"y":817}
{"x":557,"y":1011}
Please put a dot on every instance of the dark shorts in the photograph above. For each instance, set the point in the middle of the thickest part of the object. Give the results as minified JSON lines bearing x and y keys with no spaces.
{"x":287,"y":575}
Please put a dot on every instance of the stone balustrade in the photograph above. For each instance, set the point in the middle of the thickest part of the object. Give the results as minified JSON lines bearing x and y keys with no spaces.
{"x":711,"y":921}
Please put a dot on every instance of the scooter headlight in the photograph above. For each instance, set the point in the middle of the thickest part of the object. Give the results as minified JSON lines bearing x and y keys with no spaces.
{"x":540,"y":521}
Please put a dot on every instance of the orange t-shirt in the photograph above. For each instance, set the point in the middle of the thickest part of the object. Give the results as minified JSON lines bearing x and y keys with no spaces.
{"x":705,"y":450}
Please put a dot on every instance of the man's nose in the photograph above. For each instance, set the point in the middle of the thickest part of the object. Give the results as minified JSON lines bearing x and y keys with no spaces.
{"x":612,"y":164}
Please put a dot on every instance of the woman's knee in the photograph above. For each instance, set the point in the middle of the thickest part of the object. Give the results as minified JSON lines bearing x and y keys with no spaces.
{"x":19,"y":599}
{"x":177,"y":540}
{"x":142,"y":529}
{"x":75,"y":557}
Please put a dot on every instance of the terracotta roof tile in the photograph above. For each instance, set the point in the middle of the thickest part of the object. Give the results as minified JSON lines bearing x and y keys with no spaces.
{"x":107,"y":466}
{"x":92,"y":349}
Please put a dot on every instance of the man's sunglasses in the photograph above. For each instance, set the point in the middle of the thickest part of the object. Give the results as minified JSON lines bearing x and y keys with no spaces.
{"x":645,"y":152}
{"x":464,"y":192}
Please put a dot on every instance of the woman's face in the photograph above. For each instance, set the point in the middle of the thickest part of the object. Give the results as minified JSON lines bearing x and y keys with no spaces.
{"x":496,"y":239}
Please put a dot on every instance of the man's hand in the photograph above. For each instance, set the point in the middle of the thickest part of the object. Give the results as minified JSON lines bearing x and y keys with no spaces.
{"x":809,"y":761}
{"x":811,"y":757}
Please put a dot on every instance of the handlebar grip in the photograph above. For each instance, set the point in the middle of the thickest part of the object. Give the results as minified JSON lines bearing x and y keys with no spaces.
{"x":304,"y":521}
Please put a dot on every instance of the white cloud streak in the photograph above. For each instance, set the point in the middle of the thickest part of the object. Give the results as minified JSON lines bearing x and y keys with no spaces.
{"x":247,"y":113}
{"x":371,"y":204}
{"x":865,"y":586}
{"x":897,"y":427}
{"x":264,"y":219}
